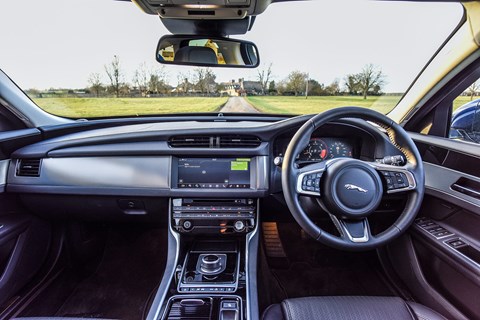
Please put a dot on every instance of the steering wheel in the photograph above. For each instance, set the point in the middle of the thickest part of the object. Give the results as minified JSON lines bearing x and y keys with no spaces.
{"x":350,"y":190}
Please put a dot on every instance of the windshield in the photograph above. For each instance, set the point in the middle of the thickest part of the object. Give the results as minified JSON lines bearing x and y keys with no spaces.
{"x":90,"y":58}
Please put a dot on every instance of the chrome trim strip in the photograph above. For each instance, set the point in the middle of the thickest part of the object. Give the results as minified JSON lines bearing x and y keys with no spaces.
{"x":3,"y":174}
{"x":251,"y":296}
{"x":343,"y":229}
{"x":159,"y":301}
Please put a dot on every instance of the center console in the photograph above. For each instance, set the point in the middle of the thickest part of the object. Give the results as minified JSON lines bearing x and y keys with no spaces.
{"x":210,"y":279}
{"x":213,"y":238}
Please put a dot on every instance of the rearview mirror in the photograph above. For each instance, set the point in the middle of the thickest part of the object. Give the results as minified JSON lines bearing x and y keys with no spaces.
{"x":207,"y":51}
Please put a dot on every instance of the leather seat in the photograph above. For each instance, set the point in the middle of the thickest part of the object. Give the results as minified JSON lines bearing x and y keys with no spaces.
{"x":196,"y":55}
{"x":349,"y":308}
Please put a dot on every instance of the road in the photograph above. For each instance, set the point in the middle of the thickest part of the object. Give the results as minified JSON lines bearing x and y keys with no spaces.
{"x":238,"y":104}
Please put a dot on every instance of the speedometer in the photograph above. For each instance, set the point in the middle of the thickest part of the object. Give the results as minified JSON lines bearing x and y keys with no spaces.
{"x":316,"y":150}
{"x":339,"y":149}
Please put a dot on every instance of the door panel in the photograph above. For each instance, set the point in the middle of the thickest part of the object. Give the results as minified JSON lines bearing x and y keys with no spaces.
{"x":444,"y":242}
{"x":24,"y":239}
{"x":24,"y":243}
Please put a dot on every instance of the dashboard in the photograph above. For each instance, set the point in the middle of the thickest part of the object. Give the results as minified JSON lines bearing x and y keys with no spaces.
{"x":142,"y":163}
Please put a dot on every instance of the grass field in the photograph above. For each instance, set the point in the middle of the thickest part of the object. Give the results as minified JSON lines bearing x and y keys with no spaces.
{"x":300,"y":105}
{"x":104,"y":107}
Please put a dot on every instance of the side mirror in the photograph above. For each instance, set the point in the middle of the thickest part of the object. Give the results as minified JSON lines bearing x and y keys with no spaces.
{"x":207,"y":51}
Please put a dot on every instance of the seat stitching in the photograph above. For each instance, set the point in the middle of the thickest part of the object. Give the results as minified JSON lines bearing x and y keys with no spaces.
{"x":289,"y":315}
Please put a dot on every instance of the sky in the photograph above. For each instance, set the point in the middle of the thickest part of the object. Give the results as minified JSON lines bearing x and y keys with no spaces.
{"x":59,"y":43}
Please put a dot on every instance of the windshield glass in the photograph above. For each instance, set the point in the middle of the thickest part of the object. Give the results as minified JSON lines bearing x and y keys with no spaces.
{"x":90,"y":58}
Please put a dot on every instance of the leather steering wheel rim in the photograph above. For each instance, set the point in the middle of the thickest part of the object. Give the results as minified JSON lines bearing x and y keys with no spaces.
{"x":413,"y":168}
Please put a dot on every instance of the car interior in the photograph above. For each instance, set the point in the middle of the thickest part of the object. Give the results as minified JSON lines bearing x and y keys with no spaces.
{"x":345,"y":214}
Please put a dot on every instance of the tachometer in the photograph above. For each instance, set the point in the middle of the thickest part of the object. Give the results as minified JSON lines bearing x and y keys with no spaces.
{"x":316,"y":150}
{"x":339,"y":149}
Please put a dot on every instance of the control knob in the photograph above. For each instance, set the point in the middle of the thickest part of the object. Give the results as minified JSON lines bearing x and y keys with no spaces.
{"x":187,"y":225}
{"x":239,"y":225}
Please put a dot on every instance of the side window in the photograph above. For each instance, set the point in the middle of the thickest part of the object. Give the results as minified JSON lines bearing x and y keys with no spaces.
{"x":465,"y":124}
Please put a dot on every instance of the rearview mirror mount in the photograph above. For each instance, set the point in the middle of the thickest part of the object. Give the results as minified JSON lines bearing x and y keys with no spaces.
{"x":206,"y":51}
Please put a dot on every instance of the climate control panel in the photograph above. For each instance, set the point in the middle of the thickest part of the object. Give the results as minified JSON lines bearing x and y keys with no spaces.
{"x":221,"y":216}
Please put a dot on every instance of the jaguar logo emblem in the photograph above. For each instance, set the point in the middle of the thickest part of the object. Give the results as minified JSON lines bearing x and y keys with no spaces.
{"x":354,"y":187}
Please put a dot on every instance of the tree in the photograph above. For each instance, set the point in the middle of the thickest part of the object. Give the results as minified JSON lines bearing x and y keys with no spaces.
{"x":95,"y":83}
{"x":184,"y":82}
{"x":333,"y":89}
{"x":352,"y":84}
{"x":315,"y":88}
{"x":281,"y":87}
{"x":205,"y":80}
{"x":115,"y":75}
{"x":271,"y":87}
{"x":156,"y":81}
{"x":141,"y":78}
{"x":264,"y":76}
{"x":473,"y":89}
{"x":369,"y":78}
{"x":296,"y":81}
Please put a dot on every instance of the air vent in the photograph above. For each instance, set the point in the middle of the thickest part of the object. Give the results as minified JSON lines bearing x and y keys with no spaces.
{"x":191,"y":142}
{"x":227,"y":141}
{"x":238,"y":141}
{"x":28,"y":168}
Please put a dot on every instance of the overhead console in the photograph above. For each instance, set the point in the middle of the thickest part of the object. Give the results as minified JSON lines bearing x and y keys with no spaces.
{"x":211,"y":9}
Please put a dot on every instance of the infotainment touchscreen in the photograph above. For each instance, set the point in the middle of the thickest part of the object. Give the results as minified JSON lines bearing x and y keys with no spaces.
{"x":217,"y":173}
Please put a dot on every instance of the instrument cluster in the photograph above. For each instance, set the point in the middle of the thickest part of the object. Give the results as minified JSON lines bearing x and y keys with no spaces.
{"x":320,"y":149}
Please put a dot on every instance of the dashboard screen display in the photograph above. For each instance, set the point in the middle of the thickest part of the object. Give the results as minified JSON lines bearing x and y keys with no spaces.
{"x":216,"y":173}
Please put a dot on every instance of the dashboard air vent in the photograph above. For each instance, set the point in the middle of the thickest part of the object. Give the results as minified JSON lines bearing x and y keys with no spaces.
{"x":225,"y":141}
{"x":239,"y":141}
{"x":28,"y":168}
{"x":191,"y":142}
